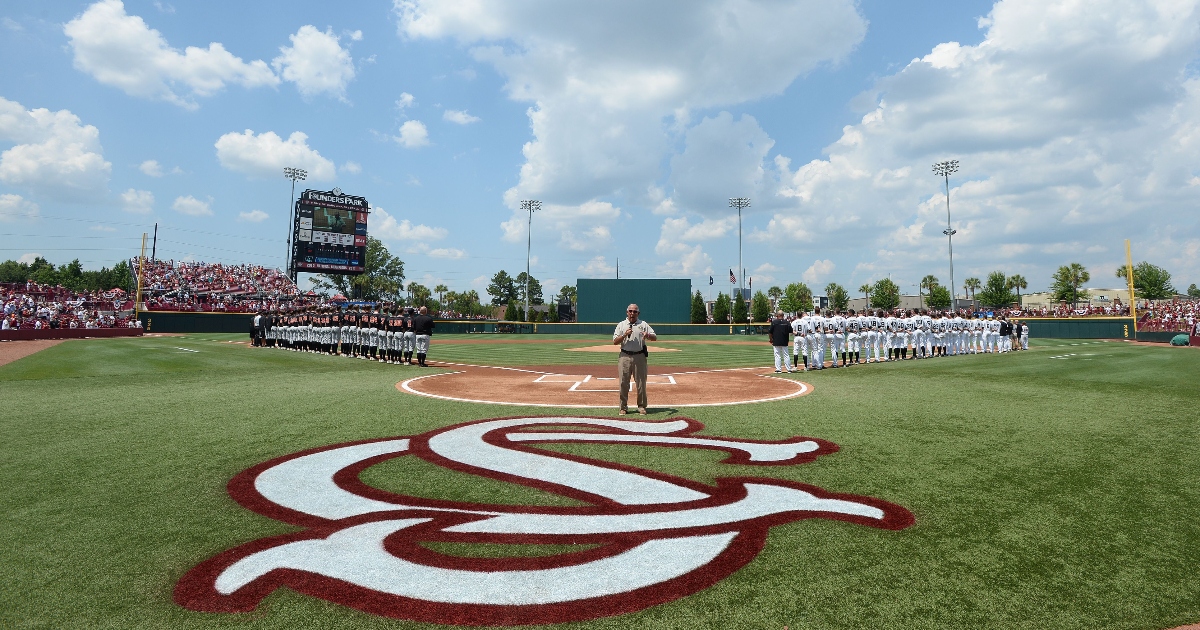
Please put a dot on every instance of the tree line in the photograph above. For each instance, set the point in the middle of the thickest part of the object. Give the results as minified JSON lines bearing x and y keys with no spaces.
{"x":71,"y":275}
{"x":1150,"y":282}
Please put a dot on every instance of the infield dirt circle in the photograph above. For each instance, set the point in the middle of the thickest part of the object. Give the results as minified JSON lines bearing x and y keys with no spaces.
{"x":597,"y":386}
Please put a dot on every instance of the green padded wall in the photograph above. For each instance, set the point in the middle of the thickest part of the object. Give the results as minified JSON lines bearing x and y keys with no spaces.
{"x":661,"y":301}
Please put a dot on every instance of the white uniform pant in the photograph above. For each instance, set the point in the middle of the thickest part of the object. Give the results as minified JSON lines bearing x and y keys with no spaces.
{"x":410,"y":343}
{"x":853,"y":342}
{"x":837,"y":345}
{"x":800,"y":348}
{"x":1024,"y":342}
{"x":422,"y":342}
{"x":782,"y":358}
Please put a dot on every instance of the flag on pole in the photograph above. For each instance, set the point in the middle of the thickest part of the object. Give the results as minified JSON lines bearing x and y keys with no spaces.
{"x":710,"y":281}
{"x":750,"y":281}
{"x":732,"y":278}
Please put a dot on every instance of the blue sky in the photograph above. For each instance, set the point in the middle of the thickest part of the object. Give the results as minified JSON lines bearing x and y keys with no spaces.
{"x":1077,"y":126}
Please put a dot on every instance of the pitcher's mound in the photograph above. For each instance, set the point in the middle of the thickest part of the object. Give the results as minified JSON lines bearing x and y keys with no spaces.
{"x":597,"y":386}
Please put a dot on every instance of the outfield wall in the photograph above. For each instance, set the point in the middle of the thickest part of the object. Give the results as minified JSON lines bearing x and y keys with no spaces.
{"x":186,"y":322}
{"x":1080,"y":327}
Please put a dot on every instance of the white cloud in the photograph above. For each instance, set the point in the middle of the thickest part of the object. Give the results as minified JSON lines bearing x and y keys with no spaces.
{"x":356,"y":36}
{"x":53,"y":154}
{"x":405,"y":101}
{"x":191,"y":206}
{"x":151,"y":168}
{"x":385,"y":226}
{"x":102,"y":228}
{"x":605,"y":81}
{"x":721,"y":158}
{"x":1076,"y":125}
{"x":254,"y":216}
{"x":12,"y":25}
{"x":16,"y":208}
{"x":413,"y":134}
{"x":597,"y":267}
{"x":818,"y":272}
{"x":354,"y":168}
{"x":316,"y":62}
{"x":29,"y":258}
{"x":446,"y":252}
{"x":459,"y":117}
{"x":266,"y":155}
{"x":586,"y":227}
{"x":138,"y":201}
{"x":120,"y":50}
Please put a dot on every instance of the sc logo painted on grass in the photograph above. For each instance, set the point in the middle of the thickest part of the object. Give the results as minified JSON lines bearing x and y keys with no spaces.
{"x":653,"y":537}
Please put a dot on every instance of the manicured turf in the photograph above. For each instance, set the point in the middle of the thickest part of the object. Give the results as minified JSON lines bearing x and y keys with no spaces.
{"x":1048,"y":492}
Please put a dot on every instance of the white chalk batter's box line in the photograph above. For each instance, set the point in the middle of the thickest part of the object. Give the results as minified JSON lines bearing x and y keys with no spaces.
{"x":576,"y":381}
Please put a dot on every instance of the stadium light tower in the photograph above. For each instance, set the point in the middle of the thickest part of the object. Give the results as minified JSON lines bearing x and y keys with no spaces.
{"x":296,"y":175}
{"x":945,"y":169}
{"x":739,"y":203}
{"x":532,"y":205}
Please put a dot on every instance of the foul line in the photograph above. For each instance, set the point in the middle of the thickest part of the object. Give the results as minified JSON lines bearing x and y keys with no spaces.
{"x":804,"y":388}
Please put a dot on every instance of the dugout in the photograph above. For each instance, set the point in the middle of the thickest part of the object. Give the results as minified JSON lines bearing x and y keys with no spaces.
{"x":661,"y":301}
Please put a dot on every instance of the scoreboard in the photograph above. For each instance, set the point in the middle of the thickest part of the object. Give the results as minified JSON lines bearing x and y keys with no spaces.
{"x":330,"y":233}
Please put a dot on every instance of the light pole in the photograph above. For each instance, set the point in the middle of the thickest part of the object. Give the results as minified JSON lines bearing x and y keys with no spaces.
{"x":739,"y":203}
{"x":532,"y":205}
{"x":296,"y":175}
{"x":945,"y":169}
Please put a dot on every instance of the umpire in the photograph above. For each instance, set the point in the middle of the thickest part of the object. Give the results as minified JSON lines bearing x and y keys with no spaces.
{"x":632,"y":334}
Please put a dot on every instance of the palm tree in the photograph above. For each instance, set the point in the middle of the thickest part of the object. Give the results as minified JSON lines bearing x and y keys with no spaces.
{"x":866,"y":291}
{"x":1077,"y":276}
{"x":411,"y":287}
{"x":928,"y":282}
{"x":441,"y":290}
{"x":774,"y":293}
{"x":1018,"y":282}
{"x":972,"y":285}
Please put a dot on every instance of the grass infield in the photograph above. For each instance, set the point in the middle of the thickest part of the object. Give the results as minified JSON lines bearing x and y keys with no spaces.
{"x":1057,"y":488}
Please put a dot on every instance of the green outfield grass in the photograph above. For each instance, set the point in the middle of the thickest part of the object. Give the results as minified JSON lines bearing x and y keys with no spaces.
{"x":1055,"y":493}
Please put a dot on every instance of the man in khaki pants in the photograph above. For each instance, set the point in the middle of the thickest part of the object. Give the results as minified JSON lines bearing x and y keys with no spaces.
{"x":632,"y":335}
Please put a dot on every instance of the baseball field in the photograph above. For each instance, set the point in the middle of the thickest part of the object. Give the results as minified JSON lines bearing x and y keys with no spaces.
{"x":194,"y":482}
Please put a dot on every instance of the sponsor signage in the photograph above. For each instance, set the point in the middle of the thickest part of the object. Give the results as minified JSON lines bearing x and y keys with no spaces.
{"x":648,"y":537}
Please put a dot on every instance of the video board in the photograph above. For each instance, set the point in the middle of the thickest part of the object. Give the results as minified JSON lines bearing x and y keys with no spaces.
{"x":330,"y":233}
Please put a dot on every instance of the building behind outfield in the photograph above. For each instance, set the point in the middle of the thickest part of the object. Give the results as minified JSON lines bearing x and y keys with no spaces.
{"x":661,"y":301}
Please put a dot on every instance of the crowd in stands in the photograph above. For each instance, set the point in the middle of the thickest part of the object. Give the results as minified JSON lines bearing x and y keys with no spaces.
{"x":1173,"y":316}
{"x":168,"y":285}
{"x":30,"y":306}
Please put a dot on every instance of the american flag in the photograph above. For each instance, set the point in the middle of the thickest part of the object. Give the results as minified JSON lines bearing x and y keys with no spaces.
{"x":732,"y":278}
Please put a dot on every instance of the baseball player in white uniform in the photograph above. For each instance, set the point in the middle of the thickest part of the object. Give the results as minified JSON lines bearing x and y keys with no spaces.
{"x":800,"y":326}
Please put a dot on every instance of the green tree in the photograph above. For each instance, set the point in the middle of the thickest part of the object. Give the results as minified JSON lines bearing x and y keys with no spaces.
{"x":838,"y":296}
{"x":885,"y":294}
{"x":512,"y":313}
{"x":441,"y":290}
{"x":972,"y":285}
{"x":939,"y":297}
{"x":1018,"y":283}
{"x":382,"y":278}
{"x":739,"y":312}
{"x":699,"y":314}
{"x":721,"y":308}
{"x":1066,"y":282}
{"x":797,"y":298}
{"x":535,"y":290}
{"x":502,"y":289}
{"x":760,"y":307}
{"x":1193,"y":291}
{"x":1150,"y":282}
{"x":569,"y":292}
{"x":866,"y":291}
{"x":995,"y":292}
